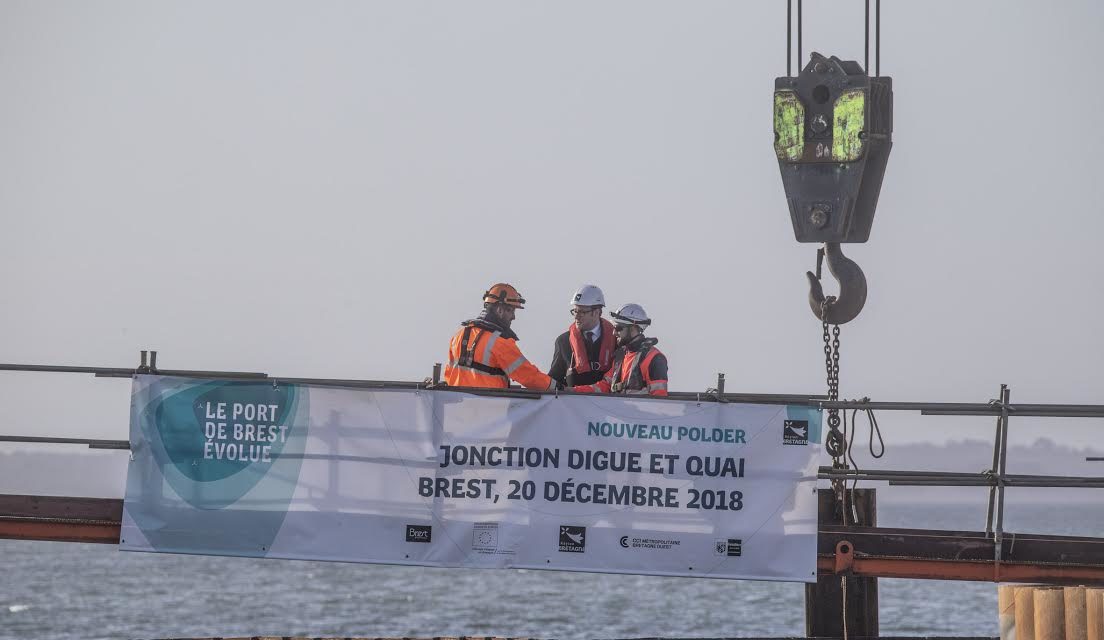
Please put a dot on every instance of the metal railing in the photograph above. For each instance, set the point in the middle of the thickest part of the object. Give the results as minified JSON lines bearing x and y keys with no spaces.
{"x":996,"y":478}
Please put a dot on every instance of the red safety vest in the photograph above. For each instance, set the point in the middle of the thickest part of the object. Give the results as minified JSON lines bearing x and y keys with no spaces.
{"x":581,"y":357}
{"x":634,"y":374}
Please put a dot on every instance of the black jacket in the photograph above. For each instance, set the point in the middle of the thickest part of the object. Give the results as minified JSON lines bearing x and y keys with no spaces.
{"x":562,"y":361}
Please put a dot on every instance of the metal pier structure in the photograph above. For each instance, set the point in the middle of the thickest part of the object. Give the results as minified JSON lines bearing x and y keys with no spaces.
{"x":853,"y":552}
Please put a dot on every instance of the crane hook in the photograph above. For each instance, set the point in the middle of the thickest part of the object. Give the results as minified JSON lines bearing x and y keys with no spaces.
{"x":852,"y":283}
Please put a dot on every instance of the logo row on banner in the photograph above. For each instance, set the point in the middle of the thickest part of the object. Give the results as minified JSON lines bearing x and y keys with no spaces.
{"x":572,"y":539}
{"x":446,"y":478}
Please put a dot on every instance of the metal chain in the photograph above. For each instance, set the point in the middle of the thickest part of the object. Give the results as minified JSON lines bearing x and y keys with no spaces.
{"x":834,"y":444}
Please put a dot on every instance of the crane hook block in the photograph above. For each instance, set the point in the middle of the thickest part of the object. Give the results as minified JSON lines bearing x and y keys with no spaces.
{"x":833,"y":129}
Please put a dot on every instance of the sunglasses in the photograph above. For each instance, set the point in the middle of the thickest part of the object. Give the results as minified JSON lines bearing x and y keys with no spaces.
{"x":622,"y":327}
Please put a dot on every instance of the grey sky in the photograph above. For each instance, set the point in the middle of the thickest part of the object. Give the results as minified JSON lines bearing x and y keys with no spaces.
{"x":325,"y":189}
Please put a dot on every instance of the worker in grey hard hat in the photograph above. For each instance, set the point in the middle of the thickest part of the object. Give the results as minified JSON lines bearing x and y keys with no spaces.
{"x":584,"y":353}
{"x":638,"y":366}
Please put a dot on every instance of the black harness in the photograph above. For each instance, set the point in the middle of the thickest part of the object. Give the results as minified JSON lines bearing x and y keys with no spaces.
{"x":467,"y":356}
{"x":636,"y":377}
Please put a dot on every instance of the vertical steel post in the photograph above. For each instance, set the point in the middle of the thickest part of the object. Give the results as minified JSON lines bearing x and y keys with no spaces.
{"x":799,"y":37}
{"x":998,"y":533}
{"x":877,"y":38}
{"x":789,"y":37}
{"x":994,"y":468}
{"x":866,"y":47}
{"x":436,"y":373}
{"x":824,"y":600}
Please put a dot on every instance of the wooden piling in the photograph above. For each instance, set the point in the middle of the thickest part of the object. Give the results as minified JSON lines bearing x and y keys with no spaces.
{"x":1006,"y":611}
{"x":1075,"y":613}
{"x":1094,"y":613}
{"x":824,"y":600}
{"x":1025,"y":613}
{"x":1050,"y":613}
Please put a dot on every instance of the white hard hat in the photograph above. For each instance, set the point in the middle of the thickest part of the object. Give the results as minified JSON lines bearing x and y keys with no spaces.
{"x":631,"y":314}
{"x":589,"y":295}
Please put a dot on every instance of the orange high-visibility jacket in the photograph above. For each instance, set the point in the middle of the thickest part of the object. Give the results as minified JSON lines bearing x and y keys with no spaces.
{"x":634,"y":372}
{"x":483,"y":354}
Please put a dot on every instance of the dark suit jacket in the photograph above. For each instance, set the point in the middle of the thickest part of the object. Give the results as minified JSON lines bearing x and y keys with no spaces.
{"x":562,"y":361}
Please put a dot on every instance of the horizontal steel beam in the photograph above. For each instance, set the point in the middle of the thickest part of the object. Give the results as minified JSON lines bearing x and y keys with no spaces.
{"x":962,"y":555}
{"x":1051,"y":411}
{"x":513,"y":392}
{"x":118,"y":372}
{"x":991,"y":409}
{"x":962,"y":545}
{"x":108,"y":510}
{"x":975,"y":409}
{"x":960,"y":570}
{"x":59,"y":531}
{"x":955,"y":479}
{"x":870,"y":551}
{"x":60,"y":519}
{"x":1080,"y":483}
{"x":92,"y":443}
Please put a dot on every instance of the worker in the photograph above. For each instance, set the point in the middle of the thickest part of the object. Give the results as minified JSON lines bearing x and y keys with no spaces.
{"x":584,"y":353}
{"x":484,"y":352}
{"x":638,"y":367}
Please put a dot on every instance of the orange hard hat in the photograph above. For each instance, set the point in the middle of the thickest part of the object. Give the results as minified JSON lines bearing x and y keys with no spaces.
{"x":503,"y":293}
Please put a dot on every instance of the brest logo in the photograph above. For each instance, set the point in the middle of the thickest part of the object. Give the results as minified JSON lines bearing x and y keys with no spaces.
{"x":419,"y":533}
{"x":213,"y":443}
{"x":225,"y":435}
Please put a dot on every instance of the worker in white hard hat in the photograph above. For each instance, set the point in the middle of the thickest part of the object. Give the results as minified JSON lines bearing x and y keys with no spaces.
{"x":584,"y":353}
{"x":638,"y":366}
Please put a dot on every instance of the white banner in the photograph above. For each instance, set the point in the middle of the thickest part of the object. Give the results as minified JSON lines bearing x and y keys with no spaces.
{"x":445,"y":478}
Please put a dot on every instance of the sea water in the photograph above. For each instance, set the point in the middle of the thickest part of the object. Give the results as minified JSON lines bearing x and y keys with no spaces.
{"x":62,"y":590}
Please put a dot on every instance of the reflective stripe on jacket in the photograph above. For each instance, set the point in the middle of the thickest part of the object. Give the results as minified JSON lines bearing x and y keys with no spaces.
{"x":490,"y":359}
{"x":634,"y":372}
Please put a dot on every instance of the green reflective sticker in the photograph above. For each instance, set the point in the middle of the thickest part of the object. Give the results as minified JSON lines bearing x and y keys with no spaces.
{"x":789,"y":126}
{"x":848,"y":122}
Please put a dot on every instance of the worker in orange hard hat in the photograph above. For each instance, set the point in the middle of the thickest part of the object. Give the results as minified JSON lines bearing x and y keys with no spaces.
{"x":484,"y":352}
{"x":638,"y":367}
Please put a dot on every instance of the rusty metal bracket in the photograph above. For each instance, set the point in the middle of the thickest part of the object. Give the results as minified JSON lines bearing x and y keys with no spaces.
{"x":845,"y":557}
